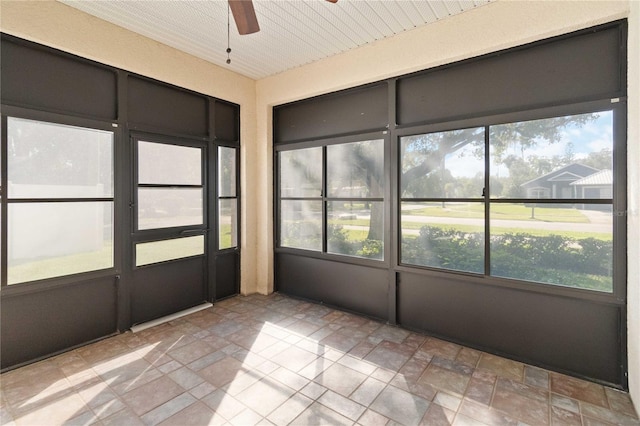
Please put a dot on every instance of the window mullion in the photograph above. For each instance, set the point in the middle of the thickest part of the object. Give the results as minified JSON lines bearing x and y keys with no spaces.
{"x":324,"y":191}
{"x":487,"y":201}
{"x":3,"y":204}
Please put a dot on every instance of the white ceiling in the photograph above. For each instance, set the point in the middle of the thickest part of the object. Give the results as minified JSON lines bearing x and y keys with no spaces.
{"x":292,"y":32}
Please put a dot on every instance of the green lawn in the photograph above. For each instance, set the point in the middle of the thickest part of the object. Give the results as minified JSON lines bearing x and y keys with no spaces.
{"x":356,"y":222}
{"x":501,"y":212}
{"x":498,"y":212}
{"x":224,"y":237}
{"x":103,"y":259}
{"x":60,"y":266}
{"x":500,"y":231}
{"x":570,"y":213}
{"x":359,"y":235}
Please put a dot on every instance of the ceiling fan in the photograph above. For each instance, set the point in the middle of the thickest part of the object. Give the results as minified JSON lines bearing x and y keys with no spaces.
{"x":245,"y":16}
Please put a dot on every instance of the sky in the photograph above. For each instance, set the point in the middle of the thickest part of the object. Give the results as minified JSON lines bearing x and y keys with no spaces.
{"x":590,"y":137}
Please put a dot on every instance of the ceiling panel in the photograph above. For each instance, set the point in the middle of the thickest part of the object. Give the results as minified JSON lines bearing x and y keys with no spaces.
{"x":292,"y":32}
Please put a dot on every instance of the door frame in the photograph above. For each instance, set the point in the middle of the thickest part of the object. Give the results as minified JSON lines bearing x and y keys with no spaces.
{"x":165,"y":234}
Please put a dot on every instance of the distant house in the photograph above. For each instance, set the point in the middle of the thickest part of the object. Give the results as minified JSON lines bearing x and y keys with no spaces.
{"x":559,"y":183}
{"x":597,"y":185}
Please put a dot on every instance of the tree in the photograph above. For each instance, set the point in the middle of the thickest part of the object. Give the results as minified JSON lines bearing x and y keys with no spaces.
{"x":50,"y":154}
{"x":423,"y":174}
{"x":600,"y":160}
{"x":357,"y":170}
{"x":519,"y":172}
{"x":423,"y":156}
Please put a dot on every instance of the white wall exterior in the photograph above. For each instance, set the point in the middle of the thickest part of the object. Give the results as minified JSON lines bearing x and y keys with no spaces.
{"x":498,"y":25}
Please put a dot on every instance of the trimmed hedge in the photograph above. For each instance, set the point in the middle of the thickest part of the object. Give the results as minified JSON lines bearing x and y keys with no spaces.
{"x":553,"y":259}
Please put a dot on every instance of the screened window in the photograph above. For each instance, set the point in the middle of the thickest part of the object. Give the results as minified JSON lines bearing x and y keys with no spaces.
{"x":170,"y":189}
{"x":227,"y":198}
{"x":165,"y":250}
{"x":337,"y":208}
{"x":552,"y":201}
{"x":546,"y":217}
{"x":60,"y":200}
{"x":442,"y":202}
{"x":301,"y":199}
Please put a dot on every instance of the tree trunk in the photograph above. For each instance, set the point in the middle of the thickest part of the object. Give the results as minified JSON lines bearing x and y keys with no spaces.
{"x":376,"y":218}
{"x":376,"y":225}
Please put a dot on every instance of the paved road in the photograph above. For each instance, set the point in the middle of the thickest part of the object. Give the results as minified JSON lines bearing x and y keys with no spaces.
{"x":600,"y":222}
{"x":598,"y":227}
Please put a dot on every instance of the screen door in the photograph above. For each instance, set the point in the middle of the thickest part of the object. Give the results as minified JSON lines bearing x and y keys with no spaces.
{"x":170,"y":218}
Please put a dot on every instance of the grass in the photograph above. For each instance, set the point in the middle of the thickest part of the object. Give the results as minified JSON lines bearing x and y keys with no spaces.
{"x":224,"y":237}
{"x":501,"y":212}
{"x":356,"y":234}
{"x":359,"y":235}
{"x":160,"y":251}
{"x":60,"y":266}
{"x":354,"y":222}
{"x":103,"y":259}
{"x":472,"y":228}
{"x":506,"y":230}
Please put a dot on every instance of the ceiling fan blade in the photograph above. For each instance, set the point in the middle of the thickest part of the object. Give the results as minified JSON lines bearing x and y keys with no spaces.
{"x":245,"y":16}
{"x":332,"y":1}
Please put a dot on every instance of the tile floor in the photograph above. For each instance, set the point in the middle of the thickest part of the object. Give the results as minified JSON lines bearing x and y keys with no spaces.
{"x":276,"y":360}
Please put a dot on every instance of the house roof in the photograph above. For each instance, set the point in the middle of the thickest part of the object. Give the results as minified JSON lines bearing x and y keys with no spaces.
{"x":576,"y":169}
{"x":603,"y":177}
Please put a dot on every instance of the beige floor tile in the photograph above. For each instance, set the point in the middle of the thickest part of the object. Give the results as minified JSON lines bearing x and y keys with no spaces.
{"x":445,"y":379}
{"x":223,"y":404}
{"x":197,"y":414}
{"x":289,"y":378}
{"x":621,"y":402}
{"x":222,"y":372}
{"x":123,"y":417}
{"x":368,"y":391}
{"x":501,"y":366}
{"x":247,"y":361}
{"x":341,"y":379}
{"x":371,"y":418}
{"x":342,"y":405}
{"x":437,"y":415}
{"x":400,"y":406}
{"x":290,"y":409}
{"x":55,"y":412}
{"x":265,"y":396}
{"x":149,"y":396}
{"x":579,"y":389}
{"x":191,"y":352}
{"x":486,"y":415}
{"x":294,"y":358}
{"x":247,"y":417}
{"x":522,"y":404}
{"x":168,"y":409}
{"x":561,"y":416}
{"x":440,"y":348}
{"x":318,"y":414}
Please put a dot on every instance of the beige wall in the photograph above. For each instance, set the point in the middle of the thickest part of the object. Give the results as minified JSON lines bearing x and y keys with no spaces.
{"x":633,"y":216}
{"x":499,"y":25}
{"x":57,"y":25}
